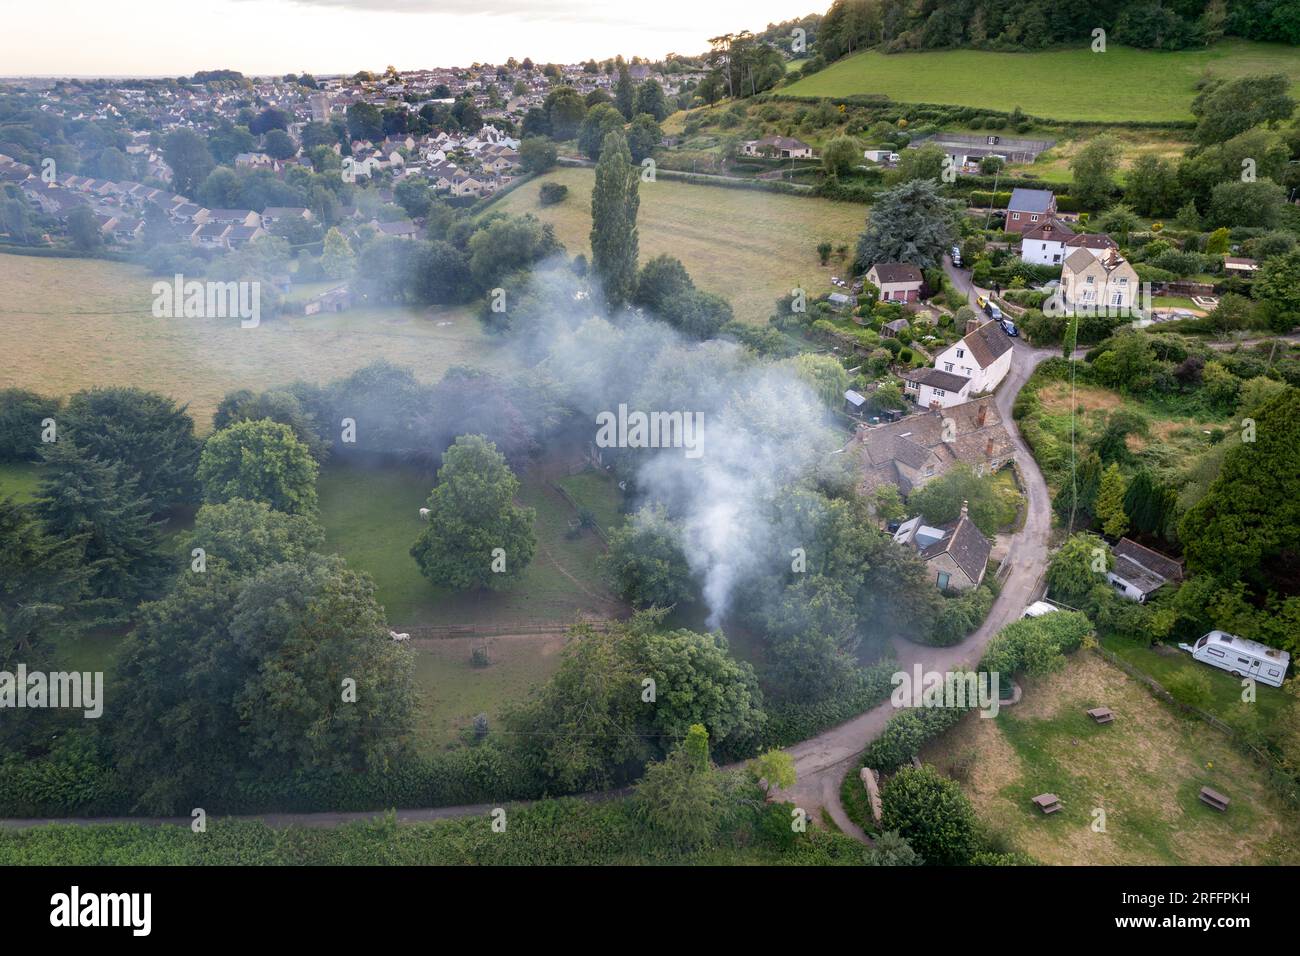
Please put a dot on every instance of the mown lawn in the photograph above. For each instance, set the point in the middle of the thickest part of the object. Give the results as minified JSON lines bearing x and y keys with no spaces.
{"x":1128,"y":789}
{"x":748,"y":245}
{"x":1073,"y":84}
{"x":70,"y":324}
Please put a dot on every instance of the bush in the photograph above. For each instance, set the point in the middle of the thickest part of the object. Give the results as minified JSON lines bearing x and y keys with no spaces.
{"x":552,"y":193}
{"x":1191,"y":688}
{"x":932,"y":814}
{"x":905,"y":734}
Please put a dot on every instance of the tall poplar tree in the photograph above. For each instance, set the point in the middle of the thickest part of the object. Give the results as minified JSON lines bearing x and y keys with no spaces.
{"x":614,"y":204}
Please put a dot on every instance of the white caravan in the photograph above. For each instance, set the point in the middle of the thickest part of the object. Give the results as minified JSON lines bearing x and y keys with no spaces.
{"x":1241,"y":657}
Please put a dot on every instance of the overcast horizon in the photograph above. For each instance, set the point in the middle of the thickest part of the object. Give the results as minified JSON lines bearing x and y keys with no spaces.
{"x":117,"y":39}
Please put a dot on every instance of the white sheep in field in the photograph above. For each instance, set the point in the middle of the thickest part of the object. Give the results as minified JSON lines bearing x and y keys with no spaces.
{"x":424,"y":514}
{"x":399,"y":638}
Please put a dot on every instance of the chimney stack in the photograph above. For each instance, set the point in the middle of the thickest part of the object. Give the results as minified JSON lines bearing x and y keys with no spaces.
{"x":963,"y":508}
{"x":980,"y":414}
{"x":988,"y":448}
{"x":972,"y":325}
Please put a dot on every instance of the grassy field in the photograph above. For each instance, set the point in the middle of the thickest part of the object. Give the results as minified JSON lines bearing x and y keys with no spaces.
{"x":1119,"y":85}
{"x":748,"y":245}
{"x":70,"y":324}
{"x":597,"y":492}
{"x":453,"y":690}
{"x":1167,"y":662}
{"x":372,"y":518}
{"x":1144,"y":771}
{"x":19,"y":481}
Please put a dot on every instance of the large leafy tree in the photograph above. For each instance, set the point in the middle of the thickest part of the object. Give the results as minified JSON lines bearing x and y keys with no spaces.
{"x":698,"y":682}
{"x":1093,"y":169}
{"x":600,"y":121}
{"x":940,"y":500}
{"x":1073,"y":571}
{"x":565,"y":111}
{"x":1243,"y":527}
{"x":237,"y":683}
{"x":477,"y":537}
{"x":247,"y":536}
{"x":260,"y":461}
{"x":189,"y":158}
{"x":184,"y":672}
{"x":1226,"y":108}
{"x":507,"y":244}
{"x":310,"y":628}
{"x":578,"y":731}
{"x":681,"y":799}
{"x":99,"y":504}
{"x":149,"y":434}
{"x":909,"y":223}
{"x":645,"y":563}
{"x":614,"y":204}
{"x":650,"y":99}
{"x":278,"y":405}
{"x":1277,"y":285}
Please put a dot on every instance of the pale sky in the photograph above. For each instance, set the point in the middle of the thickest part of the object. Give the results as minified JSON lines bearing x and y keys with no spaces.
{"x":178,"y":37}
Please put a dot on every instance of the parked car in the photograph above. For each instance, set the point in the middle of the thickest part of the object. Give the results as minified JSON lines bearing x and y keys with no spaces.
{"x":1009,"y":327}
{"x":1241,"y":657}
{"x":956,"y":256}
{"x":982,"y":302}
{"x":1038,"y":609}
{"x":993,"y":312}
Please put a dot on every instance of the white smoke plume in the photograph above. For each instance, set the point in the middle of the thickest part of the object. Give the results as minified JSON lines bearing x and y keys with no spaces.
{"x":764,"y":428}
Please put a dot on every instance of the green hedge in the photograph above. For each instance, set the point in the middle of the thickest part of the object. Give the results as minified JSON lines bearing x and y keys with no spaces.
{"x":562,"y":832}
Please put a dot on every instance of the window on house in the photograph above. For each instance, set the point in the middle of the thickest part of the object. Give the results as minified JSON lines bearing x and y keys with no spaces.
{"x":943,"y":579}
{"x":947,"y":366}
{"x":1117,"y":298}
{"x":1033,"y":219}
{"x":1088,"y":279}
{"x":961,"y":353}
{"x":940,"y":392}
{"x":1015,"y":215}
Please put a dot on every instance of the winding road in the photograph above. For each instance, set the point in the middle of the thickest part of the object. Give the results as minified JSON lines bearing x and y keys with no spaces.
{"x":820,"y":762}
